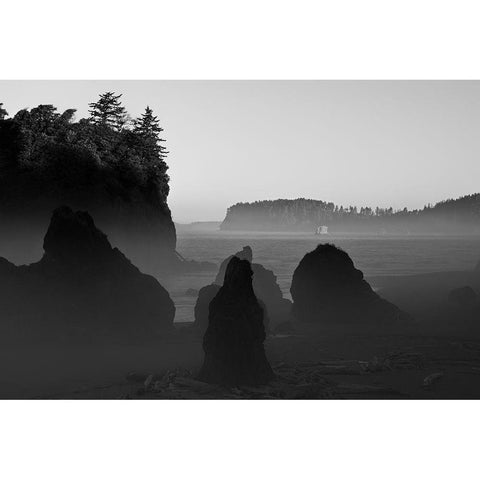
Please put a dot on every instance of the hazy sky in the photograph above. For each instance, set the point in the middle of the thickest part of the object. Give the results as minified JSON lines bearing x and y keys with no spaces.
{"x":375,"y":143}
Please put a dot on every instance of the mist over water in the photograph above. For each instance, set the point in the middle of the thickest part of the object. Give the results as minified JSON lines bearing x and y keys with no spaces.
{"x":281,"y":252}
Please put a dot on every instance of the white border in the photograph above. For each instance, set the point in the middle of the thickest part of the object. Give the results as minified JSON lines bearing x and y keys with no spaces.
{"x":302,"y":39}
{"x":252,"y":39}
{"x":239,"y":440}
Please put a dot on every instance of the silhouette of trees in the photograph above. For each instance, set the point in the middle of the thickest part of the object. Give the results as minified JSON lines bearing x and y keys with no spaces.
{"x":42,"y":150}
{"x":148,"y":127}
{"x":108,"y":111}
{"x":306,"y":214}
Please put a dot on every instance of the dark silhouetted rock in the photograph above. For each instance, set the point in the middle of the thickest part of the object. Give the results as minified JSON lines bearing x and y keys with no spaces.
{"x":244,"y":254}
{"x":268,"y":291}
{"x":201,"y":310}
{"x":265,"y":287}
{"x":233,"y":342}
{"x":82,"y":288}
{"x":327,"y":288}
{"x":205,"y":296}
{"x":463,"y":296}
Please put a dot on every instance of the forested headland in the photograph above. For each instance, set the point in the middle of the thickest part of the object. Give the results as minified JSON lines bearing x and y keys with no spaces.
{"x":109,"y":164}
{"x":461,"y":215}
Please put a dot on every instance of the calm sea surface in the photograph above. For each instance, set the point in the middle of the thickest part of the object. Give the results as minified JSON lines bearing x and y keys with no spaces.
{"x":374,"y":255}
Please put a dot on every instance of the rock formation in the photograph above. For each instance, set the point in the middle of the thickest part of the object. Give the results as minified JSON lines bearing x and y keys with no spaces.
{"x":244,"y":254}
{"x":205,"y":296}
{"x":265,"y":287}
{"x":82,"y":289}
{"x":202,"y":305}
{"x":463,"y":296}
{"x":268,"y":292}
{"x":327,"y":288}
{"x":48,"y":159}
{"x":233,"y":342}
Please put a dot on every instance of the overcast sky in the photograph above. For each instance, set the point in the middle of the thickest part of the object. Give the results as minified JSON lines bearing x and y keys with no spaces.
{"x":374,"y":143}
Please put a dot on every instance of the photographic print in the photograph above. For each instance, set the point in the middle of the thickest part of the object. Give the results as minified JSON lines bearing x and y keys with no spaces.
{"x":239,"y":239}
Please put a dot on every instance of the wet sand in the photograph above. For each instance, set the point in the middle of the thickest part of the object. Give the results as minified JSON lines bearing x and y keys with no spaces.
{"x":336,"y":357}
{"x":344,"y":362}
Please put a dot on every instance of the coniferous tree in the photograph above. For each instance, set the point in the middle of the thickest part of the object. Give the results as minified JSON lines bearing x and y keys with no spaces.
{"x":148,"y":126}
{"x":108,"y":111}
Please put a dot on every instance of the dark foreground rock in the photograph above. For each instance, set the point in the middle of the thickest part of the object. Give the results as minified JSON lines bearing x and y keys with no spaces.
{"x":233,"y":342}
{"x":82,"y":289}
{"x":244,"y":254}
{"x":463,"y":296}
{"x":205,"y":296}
{"x":268,"y":291}
{"x":327,"y":288}
{"x":265,"y":287}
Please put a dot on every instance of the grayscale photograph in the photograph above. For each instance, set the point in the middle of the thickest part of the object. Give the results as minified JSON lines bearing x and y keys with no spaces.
{"x":217,"y":239}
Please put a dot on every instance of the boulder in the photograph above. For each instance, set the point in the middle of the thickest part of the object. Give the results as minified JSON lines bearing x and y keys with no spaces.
{"x":233,"y":342}
{"x":463,"y":296}
{"x":265,"y":286}
{"x":327,"y":288}
{"x":82,"y":289}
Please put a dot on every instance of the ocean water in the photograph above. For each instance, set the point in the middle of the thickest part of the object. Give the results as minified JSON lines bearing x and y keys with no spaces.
{"x":374,"y":255}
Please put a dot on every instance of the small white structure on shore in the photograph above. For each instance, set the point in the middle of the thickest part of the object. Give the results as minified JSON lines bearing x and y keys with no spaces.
{"x":322,"y":230}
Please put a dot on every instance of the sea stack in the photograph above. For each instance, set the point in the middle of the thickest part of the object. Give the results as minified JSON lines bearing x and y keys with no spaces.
{"x":244,"y":254}
{"x":265,"y":286}
{"x":82,"y":289}
{"x":463,"y":296}
{"x":327,"y":288}
{"x":202,"y":305}
{"x":233,"y":342}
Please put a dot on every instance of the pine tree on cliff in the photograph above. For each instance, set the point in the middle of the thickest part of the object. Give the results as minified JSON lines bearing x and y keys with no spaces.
{"x":108,"y":111}
{"x":148,"y":126}
{"x":3,"y":112}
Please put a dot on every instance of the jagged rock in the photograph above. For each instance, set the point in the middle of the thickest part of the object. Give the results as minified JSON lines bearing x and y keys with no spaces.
{"x":82,"y":289}
{"x":463,"y":296}
{"x":244,"y":254}
{"x":205,"y":296}
{"x":233,"y":342}
{"x":268,"y":291}
{"x":327,"y":288}
{"x":265,"y":287}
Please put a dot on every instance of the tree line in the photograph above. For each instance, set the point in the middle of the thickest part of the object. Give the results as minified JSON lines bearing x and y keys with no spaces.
{"x":306,"y":214}
{"x":44,"y":152}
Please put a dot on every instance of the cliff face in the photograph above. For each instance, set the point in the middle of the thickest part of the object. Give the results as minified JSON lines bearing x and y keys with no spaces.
{"x":110,"y":174}
{"x":144,"y":231}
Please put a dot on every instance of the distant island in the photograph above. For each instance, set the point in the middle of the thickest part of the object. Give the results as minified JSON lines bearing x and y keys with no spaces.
{"x":453,"y":216}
